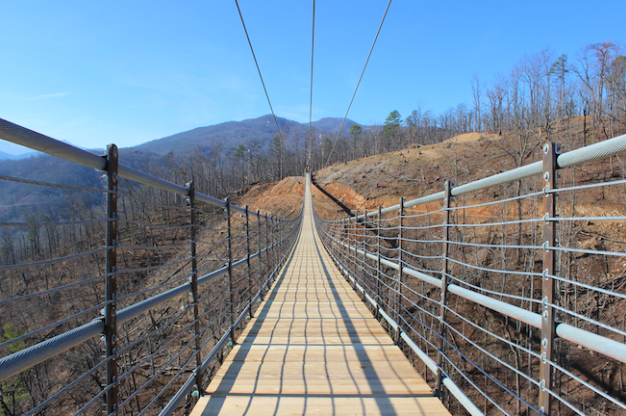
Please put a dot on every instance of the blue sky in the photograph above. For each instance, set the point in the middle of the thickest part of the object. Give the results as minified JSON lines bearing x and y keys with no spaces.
{"x":93,"y":73}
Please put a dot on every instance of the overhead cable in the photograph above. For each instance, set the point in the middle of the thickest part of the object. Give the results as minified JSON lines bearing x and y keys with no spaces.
{"x":308,"y":161}
{"x":358,"y":83}
{"x":259,"y":71}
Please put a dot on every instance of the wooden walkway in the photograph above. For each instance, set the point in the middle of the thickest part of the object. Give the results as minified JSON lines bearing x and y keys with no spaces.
{"x":315,"y":348}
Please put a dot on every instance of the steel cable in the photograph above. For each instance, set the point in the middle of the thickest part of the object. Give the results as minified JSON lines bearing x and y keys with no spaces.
{"x":55,"y":289}
{"x":485,"y":395}
{"x":53,"y":185}
{"x":54,"y":325}
{"x":308,"y":161}
{"x":481,"y":370}
{"x":586,"y":384}
{"x":492,"y":292}
{"x":50,"y":261}
{"x":259,"y":71}
{"x":53,"y":224}
{"x":358,"y":83}
{"x":156,"y":204}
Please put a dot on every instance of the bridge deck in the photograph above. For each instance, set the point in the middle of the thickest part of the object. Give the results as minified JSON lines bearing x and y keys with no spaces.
{"x":315,"y":348}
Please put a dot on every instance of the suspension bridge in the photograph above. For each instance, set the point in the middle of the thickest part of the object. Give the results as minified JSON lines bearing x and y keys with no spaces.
{"x":451,"y":303}
{"x":314,"y":347}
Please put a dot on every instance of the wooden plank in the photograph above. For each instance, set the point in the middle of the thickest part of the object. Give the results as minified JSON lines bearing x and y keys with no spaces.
{"x":325,"y":353}
{"x":381,"y":368}
{"x":344,"y":339}
{"x":339,"y":406}
{"x":321,"y":387}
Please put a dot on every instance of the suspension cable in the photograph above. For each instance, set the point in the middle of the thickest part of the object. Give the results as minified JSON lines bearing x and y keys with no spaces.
{"x":358,"y":83}
{"x":308,"y":159}
{"x":259,"y":71}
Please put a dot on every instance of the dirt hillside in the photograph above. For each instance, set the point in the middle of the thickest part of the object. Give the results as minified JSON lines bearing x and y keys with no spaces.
{"x":284,"y":198}
{"x":421,"y":170}
{"x":417,"y":171}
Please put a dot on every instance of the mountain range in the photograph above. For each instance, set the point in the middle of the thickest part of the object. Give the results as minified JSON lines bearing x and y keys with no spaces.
{"x":233,"y":133}
{"x":8,"y":156}
{"x":17,"y":199}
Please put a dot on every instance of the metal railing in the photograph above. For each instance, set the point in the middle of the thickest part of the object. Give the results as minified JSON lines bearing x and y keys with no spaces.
{"x":513,"y":303}
{"x":128,"y":297}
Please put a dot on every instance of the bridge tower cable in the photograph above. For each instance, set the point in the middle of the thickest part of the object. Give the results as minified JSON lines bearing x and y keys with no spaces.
{"x":259,"y":71}
{"x":308,"y":159}
{"x":358,"y":83}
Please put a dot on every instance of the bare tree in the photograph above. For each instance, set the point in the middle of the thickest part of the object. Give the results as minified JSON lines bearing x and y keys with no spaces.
{"x":477,"y":93}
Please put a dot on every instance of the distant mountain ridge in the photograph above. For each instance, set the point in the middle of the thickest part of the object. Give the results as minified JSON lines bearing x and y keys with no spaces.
{"x":19,"y":198}
{"x":8,"y":156}
{"x":233,"y":133}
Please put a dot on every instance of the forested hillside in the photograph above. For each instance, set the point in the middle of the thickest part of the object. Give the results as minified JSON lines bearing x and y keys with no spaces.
{"x":541,"y":93}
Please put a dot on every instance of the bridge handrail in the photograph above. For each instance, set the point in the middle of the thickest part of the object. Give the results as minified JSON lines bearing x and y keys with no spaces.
{"x":584,"y":338}
{"x":273,"y":239}
{"x":374,"y":253}
{"x":190,"y":383}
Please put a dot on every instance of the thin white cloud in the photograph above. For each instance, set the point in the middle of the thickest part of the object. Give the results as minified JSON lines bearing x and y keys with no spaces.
{"x":47,"y":96}
{"x":298,"y":113}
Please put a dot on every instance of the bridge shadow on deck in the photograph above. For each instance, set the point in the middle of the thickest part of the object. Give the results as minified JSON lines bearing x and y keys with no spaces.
{"x":336,"y":356}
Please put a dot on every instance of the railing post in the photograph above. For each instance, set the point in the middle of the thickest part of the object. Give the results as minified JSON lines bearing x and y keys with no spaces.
{"x":281,"y":233}
{"x":279,"y":244}
{"x":364,"y":252}
{"x":548,"y":316}
{"x":110,"y":314}
{"x":279,"y":248}
{"x":258,"y":223}
{"x":194,"y":282}
{"x":285,"y":233}
{"x":276,"y":228}
{"x":230,"y":273}
{"x":267,"y":246}
{"x":343,"y":234}
{"x":248,"y":263}
{"x":355,"y":242}
{"x":282,"y":241}
{"x":273,"y":249}
{"x":398,"y":302}
{"x":378,"y":272}
{"x":444,"y":287}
